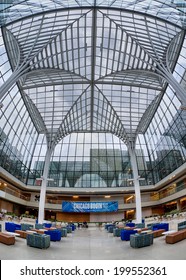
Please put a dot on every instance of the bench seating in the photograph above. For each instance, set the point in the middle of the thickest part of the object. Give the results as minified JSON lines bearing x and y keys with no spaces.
{"x":7,"y":239}
{"x":175,"y":237}
{"x":158,"y":232}
{"x":22,"y":233}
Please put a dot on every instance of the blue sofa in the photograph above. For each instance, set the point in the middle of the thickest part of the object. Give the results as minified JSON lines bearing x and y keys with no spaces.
{"x":47,"y":225}
{"x":164,"y":226}
{"x":11,"y":227}
{"x":130,"y":224}
{"x":55,"y":235}
{"x":125,"y":234}
{"x":37,"y":240}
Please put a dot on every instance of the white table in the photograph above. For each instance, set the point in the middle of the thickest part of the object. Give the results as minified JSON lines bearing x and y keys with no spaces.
{"x":168,"y":232}
{"x":30,"y":231}
{"x":12,"y":233}
{"x":146,"y":231}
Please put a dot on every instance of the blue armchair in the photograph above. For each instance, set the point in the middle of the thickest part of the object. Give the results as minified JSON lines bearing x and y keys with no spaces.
{"x":39,"y":226}
{"x":26,"y":227}
{"x":63,"y":232}
{"x":37,"y":240}
{"x":141,"y":240}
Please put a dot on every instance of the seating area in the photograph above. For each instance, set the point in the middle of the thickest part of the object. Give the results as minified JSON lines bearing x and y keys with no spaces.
{"x":158,"y":232}
{"x":7,"y":239}
{"x":104,"y":241}
{"x":117,"y":232}
{"x":125,"y":234}
{"x":141,"y":240}
{"x":46,"y":229}
{"x":156,"y":226}
{"x":176,"y":236}
{"x":36,"y":240}
{"x":55,"y":235}
{"x":25,"y":227}
{"x":23,"y":233}
{"x":11,"y":227}
{"x":182,"y":225}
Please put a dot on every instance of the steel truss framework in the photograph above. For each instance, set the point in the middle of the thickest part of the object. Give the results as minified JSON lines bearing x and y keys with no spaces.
{"x":92,"y":66}
{"x":115,"y":62}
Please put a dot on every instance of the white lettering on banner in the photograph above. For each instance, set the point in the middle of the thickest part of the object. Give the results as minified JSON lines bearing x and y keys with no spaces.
{"x":95,"y":205}
{"x":86,"y":206}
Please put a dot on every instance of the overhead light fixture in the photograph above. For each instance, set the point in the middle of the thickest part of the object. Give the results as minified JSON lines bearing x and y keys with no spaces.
{"x":130,"y":197}
{"x":107,"y":196}
{"x":75,"y":196}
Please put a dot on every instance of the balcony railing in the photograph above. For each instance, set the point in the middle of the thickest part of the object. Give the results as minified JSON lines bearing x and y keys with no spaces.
{"x":14,"y":193}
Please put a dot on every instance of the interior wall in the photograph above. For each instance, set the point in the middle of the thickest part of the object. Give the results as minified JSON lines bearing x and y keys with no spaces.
{"x":146,"y":212}
{"x":5,"y":205}
{"x":106,"y":217}
{"x":73,"y":217}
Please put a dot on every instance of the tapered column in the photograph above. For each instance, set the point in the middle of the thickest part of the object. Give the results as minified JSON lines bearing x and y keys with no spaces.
{"x":136,"y":184}
{"x":179,"y":90}
{"x":43,"y":186}
{"x":12,"y":80}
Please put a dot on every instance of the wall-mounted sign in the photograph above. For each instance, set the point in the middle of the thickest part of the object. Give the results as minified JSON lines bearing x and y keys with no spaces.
{"x":97,"y":206}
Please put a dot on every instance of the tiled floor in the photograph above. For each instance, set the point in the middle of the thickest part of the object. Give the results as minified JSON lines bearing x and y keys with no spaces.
{"x":95,"y":244}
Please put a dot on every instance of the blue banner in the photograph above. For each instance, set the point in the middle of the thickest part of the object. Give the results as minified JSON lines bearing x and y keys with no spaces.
{"x":82,"y":207}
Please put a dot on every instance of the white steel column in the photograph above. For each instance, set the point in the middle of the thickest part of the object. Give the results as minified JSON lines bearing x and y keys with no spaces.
{"x":43,"y":186}
{"x":179,"y":90}
{"x":136,"y":185}
{"x":12,"y":80}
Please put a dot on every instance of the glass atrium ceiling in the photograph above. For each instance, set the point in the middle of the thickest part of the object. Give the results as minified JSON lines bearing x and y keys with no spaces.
{"x":92,"y":66}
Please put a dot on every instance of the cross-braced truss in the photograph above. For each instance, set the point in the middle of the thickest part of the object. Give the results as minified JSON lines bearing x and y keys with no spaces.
{"x":92,"y":65}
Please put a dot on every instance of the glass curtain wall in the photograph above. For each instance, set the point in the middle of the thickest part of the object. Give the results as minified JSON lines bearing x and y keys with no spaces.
{"x":17,"y":132}
{"x":164,"y":142}
{"x":96,"y":160}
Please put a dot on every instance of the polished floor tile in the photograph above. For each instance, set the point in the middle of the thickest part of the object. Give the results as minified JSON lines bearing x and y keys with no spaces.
{"x":94,"y":244}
